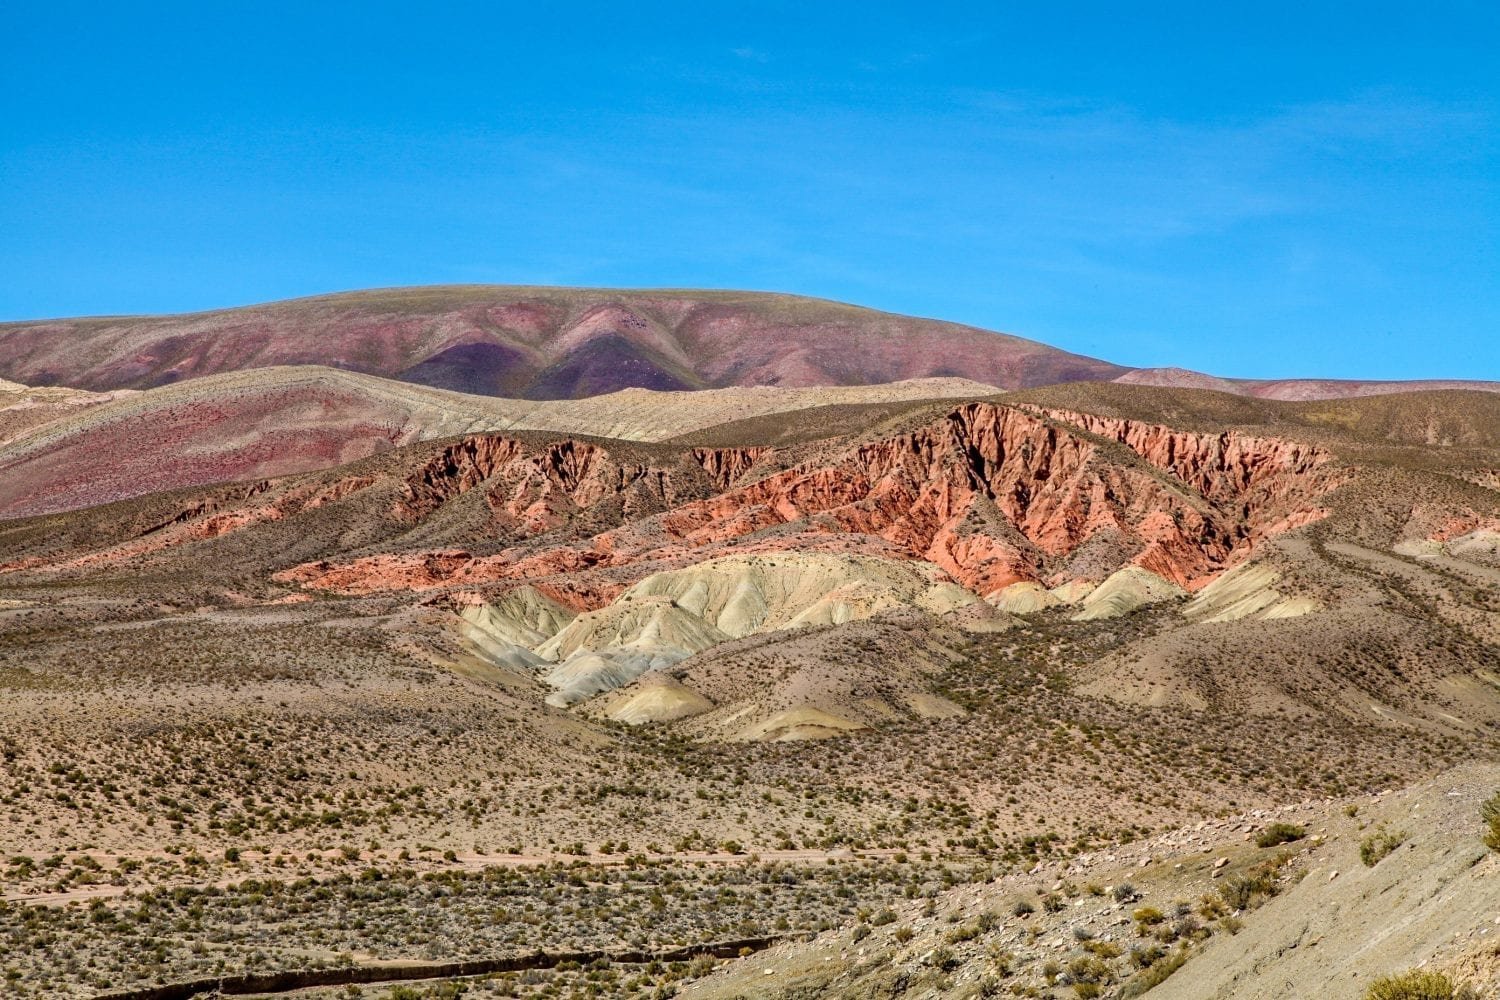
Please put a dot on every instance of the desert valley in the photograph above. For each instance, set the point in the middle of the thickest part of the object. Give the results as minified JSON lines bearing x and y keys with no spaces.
{"x":538,"y":642}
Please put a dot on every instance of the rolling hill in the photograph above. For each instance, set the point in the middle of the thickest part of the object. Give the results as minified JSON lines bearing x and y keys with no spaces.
{"x":566,"y":343}
{"x":538,"y":343}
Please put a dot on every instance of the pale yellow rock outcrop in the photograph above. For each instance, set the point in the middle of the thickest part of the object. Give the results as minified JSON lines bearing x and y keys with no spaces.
{"x":1246,"y":591}
{"x":805,"y":723}
{"x":522,"y":617}
{"x":1125,"y":591}
{"x":1024,"y":598}
{"x":1074,"y":591}
{"x":668,"y":616}
{"x":658,"y":699}
{"x":741,"y":595}
{"x":641,"y":622}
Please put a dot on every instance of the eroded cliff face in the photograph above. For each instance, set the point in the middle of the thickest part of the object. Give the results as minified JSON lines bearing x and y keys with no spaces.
{"x":536,"y":488}
{"x":727,"y":465}
{"x":454,"y":471}
{"x":1267,"y":484}
{"x":921,"y":491}
{"x":992,"y":494}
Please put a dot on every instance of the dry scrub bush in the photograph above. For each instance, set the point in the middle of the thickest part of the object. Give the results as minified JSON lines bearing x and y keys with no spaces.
{"x":1418,"y":985}
{"x":1379,"y":844}
{"x":1279,"y":833}
{"x":1490,"y":813}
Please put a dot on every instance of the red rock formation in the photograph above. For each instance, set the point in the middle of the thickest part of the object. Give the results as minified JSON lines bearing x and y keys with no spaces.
{"x":1265,"y":482}
{"x":992,"y":494}
{"x":918,"y":489}
{"x":452,"y":472}
{"x":726,"y":465}
{"x":533,"y":489}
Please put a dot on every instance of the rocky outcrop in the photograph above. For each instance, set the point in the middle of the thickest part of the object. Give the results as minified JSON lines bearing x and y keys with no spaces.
{"x":993,"y":495}
{"x":725,"y":466}
{"x":1128,"y":590}
{"x":1049,"y":486}
{"x":533,"y":488}
{"x":1264,"y":480}
{"x":454,"y":471}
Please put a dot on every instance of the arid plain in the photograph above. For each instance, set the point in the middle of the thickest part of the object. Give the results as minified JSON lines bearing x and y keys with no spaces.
{"x":713,"y":644}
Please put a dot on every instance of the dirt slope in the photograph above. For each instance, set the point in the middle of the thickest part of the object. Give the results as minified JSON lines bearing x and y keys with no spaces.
{"x":1333,"y":925}
{"x":1434,"y":900}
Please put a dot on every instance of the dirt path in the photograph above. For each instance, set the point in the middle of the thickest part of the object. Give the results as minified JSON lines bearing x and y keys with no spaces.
{"x":396,"y":972}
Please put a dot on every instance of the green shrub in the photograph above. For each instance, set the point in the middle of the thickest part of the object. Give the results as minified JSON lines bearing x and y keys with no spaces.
{"x":1243,"y":892}
{"x":1490,"y":813}
{"x":1148,"y":916}
{"x":1417,"y":985}
{"x":1089,"y":969}
{"x":1145,"y":956}
{"x":1154,"y":974}
{"x":962,"y":933}
{"x":1377,"y":845}
{"x":1279,"y":833}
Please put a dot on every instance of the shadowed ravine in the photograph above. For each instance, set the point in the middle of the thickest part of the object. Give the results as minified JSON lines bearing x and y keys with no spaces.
{"x":365,"y":975}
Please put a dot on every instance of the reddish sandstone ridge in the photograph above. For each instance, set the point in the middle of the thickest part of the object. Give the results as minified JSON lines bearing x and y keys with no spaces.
{"x":283,"y":421}
{"x":937,"y":491}
{"x":204,"y":434}
{"x":992,"y":494}
{"x":1269,"y":479}
{"x":532,"y":489}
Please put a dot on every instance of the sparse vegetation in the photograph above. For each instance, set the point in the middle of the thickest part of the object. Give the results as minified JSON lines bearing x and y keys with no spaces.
{"x":1279,"y":833}
{"x":1418,"y":985}
{"x":1490,"y":814}
{"x":1378,"y":845}
{"x":1155,"y":973}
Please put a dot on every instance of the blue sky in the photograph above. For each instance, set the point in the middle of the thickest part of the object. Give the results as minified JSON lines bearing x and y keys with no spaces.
{"x":1278,"y":190}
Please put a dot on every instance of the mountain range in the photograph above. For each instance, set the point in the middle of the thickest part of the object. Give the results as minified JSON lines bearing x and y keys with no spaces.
{"x":564,"y":343}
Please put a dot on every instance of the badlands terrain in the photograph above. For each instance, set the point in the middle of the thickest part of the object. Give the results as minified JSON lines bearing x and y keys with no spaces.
{"x":807,"y":652}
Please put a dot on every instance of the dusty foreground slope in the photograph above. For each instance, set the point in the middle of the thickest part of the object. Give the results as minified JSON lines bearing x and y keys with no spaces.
{"x":852,"y":672}
{"x":1435,"y":900}
{"x":1326,"y":925}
